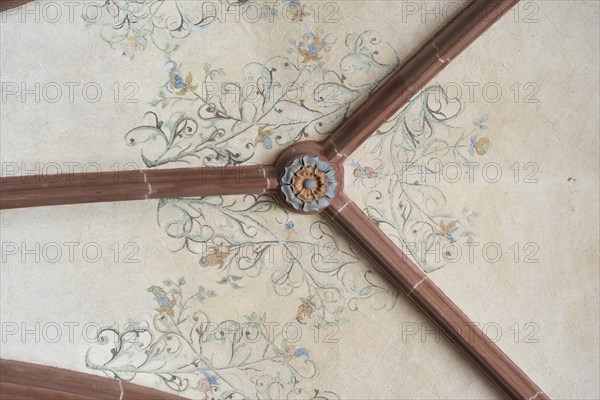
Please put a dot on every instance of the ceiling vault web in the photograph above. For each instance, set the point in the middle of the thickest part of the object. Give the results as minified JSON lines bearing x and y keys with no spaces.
{"x":391,"y":96}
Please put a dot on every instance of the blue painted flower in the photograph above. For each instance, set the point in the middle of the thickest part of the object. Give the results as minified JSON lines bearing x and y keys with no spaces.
{"x":264,"y":137}
{"x":211,"y":378}
{"x":309,"y":184}
{"x":289,"y":225}
{"x":176,"y":83}
{"x":451,"y":233}
{"x":268,"y":143}
{"x":472,"y":145}
{"x":160,"y":295}
{"x":163,"y":301}
{"x":182,"y":86}
{"x":301,"y":352}
{"x":312,"y":49}
{"x":313,"y":44}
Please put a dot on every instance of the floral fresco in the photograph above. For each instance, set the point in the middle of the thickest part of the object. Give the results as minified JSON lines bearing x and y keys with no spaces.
{"x":244,"y":238}
{"x":132,"y":25}
{"x":290,"y":97}
{"x":325,"y":275}
{"x":314,"y":99}
{"x":403,"y":167}
{"x":295,"y":95}
{"x":189,"y":352}
{"x":214,"y":121}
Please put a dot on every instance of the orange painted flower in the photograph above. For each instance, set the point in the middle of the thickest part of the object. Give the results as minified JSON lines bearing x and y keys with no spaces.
{"x":203,"y":385}
{"x":444,"y":228}
{"x":447,"y":230}
{"x":363,"y":172}
{"x":298,"y":14}
{"x":482,"y":146}
{"x":479,"y":145}
{"x":216,"y":258}
{"x":131,"y":46}
{"x":307,"y":57}
{"x":305,"y":313}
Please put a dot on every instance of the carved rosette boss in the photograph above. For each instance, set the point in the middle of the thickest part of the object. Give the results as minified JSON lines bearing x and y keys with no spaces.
{"x":309,"y":184}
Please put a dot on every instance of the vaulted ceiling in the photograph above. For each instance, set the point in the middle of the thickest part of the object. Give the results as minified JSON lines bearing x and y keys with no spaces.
{"x":366,"y":199}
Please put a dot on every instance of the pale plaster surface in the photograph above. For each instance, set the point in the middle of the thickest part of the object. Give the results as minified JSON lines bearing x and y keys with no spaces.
{"x":539,"y":296}
{"x":381,"y":346}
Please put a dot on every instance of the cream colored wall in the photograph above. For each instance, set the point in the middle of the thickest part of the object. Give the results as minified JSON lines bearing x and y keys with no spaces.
{"x":382,"y":346}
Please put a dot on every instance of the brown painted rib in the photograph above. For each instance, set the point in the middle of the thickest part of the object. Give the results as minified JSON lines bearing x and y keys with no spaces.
{"x":409,"y":278}
{"x":47,"y":190}
{"x":6,"y":5}
{"x":19,"y":380}
{"x":412,"y":76}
